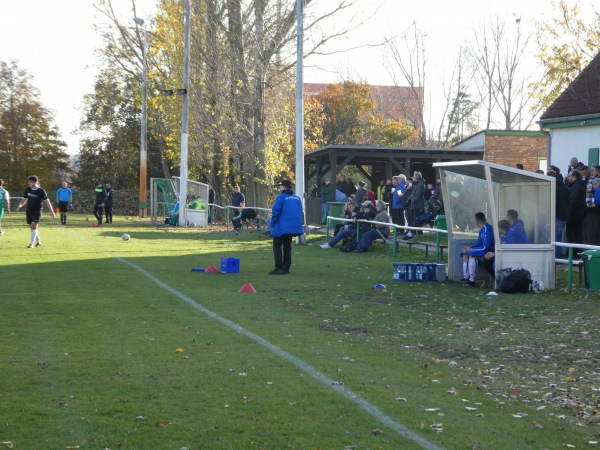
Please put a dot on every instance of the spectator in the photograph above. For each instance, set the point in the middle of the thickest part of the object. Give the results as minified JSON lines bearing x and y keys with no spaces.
{"x":519,"y":166}
{"x":237,"y":198}
{"x":365,"y":212}
{"x":516,"y":231}
{"x":371,"y":197}
{"x":574,"y":165}
{"x":378,"y":231}
{"x":286,"y":222}
{"x":417,"y":199}
{"x":387,"y":192}
{"x":381,"y":190}
{"x":484,"y":244}
{"x":245,"y":216}
{"x":577,"y":208}
{"x":349,"y":213}
{"x":562,"y":210}
{"x":314,"y":191}
{"x":397,"y":200}
{"x":341,"y":185}
{"x":326,"y":195}
{"x":361,"y":193}
{"x":351,"y":188}
{"x":108,"y":203}
{"x":211,"y":201}
{"x":64,"y":199}
{"x":586,"y":177}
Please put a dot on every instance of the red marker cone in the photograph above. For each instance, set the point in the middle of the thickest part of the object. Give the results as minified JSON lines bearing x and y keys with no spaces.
{"x":211,"y":269}
{"x":248,"y":289}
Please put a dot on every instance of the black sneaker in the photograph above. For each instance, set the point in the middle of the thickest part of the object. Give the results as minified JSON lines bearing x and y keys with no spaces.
{"x":470,"y":283}
{"x":39,"y":244}
{"x":464,"y":281}
{"x":278,"y":272}
{"x":30,"y":246}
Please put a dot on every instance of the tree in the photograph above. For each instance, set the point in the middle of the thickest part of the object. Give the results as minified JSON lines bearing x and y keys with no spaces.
{"x":239,"y":50}
{"x":566,"y":43}
{"x":29,"y":140}
{"x":498,"y":55}
{"x":345,"y":113}
{"x":408,"y":54}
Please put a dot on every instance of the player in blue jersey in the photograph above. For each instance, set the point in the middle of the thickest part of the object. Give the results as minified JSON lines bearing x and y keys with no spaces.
{"x":64,"y":199}
{"x":35,"y":197}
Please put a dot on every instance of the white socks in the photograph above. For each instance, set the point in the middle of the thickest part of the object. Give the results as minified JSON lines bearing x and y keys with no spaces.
{"x":472,"y":269}
{"x":35,"y":237}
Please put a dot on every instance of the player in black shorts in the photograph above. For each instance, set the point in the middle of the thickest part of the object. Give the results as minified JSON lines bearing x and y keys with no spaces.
{"x":35,"y":197}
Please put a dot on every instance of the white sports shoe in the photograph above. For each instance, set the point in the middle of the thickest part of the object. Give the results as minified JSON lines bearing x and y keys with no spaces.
{"x":325,"y":246}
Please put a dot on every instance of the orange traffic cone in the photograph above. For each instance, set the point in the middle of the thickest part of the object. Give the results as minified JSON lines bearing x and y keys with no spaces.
{"x":248,"y":289}
{"x":211,"y":269}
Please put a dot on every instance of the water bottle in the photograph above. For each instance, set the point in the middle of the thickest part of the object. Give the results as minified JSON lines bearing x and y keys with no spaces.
{"x":197,"y":269}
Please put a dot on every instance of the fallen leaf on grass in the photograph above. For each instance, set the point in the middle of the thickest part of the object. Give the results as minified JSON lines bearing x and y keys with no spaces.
{"x":162,"y":423}
{"x":7,"y":444}
{"x":432,"y":409}
{"x":178,"y":350}
{"x":377,"y":431}
{"x":470,"y":408}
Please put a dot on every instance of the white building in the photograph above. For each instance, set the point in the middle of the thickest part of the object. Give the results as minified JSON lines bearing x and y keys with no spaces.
{"x":573,"y":121}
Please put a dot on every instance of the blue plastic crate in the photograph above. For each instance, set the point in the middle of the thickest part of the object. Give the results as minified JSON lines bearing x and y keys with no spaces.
{"x":425,"y":272}
{"x":404,"y":272}
{"x":230,"y":265}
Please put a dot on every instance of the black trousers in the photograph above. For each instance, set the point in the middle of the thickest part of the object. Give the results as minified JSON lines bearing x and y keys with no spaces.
{"x":398,"y":216}
{"x":98,"y":213}
{"x":282,"y":251}
{"x":108,"y":213}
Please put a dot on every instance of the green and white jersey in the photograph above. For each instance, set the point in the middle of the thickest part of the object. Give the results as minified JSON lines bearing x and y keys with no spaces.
{"x":3,"y":198}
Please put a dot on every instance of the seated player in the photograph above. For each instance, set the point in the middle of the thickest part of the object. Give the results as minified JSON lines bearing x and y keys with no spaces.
{"x":484,"y":244}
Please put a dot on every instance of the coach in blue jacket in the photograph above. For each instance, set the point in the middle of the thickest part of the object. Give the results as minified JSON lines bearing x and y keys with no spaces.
{"x":287,"y":222}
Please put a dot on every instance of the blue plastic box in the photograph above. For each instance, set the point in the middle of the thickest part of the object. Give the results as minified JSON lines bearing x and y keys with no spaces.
{"x":404,"y":272}
{"x":230,"y":265}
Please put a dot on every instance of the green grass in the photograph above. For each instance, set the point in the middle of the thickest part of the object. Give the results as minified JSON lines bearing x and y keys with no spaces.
{"x":88,"y":349}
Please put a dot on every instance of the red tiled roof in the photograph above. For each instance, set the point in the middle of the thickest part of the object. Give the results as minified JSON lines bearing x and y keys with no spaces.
{"x":581,"y":98}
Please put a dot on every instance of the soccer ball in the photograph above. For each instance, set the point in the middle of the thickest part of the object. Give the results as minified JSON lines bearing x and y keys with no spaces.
{"x":537,"y":287}
{"x":125,"y":237}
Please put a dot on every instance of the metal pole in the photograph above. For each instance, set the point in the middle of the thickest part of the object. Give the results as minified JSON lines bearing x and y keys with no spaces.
{"x":184,"y":122}
{"x":144,"y":127}
{"x":300,"y":105}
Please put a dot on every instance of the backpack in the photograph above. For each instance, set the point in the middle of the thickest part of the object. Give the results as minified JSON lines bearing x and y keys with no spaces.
{"x":514,"y":281}
{"x":435,"y":206}
{"x":349,"y":246}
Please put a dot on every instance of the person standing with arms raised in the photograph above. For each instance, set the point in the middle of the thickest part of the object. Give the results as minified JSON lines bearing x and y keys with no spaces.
{"x":287,"y":222}
{"x":35,"y":197}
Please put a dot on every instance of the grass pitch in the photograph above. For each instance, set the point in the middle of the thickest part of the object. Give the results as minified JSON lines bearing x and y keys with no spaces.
{"x":113,"y":344}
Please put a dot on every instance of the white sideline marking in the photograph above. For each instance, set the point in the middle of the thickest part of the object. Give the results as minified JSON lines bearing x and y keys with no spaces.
{"x":363,"y":404}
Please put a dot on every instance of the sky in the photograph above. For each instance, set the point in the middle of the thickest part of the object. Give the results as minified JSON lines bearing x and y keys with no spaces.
{"x":55,"y":40}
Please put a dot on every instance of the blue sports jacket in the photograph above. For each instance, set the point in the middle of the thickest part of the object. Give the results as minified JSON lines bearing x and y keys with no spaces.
{"x":287,"y":217}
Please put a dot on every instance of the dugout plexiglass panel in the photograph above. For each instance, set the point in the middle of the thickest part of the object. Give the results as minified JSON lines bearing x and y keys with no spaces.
{"x":479,"y":186}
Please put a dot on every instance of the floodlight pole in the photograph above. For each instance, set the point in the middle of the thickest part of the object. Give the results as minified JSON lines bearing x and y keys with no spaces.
{"x":144,"y":124}
{"x":184,"y":122}
{"x":300,"y":103}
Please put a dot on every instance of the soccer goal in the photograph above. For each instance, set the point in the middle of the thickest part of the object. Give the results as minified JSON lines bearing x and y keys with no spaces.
{"x":164,"y":190}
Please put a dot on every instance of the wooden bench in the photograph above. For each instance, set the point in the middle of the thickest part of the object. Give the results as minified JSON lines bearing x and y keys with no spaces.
{"x":576,"y":263}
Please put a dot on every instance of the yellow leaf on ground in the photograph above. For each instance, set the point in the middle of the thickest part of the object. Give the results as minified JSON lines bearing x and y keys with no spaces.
{"x":179,"y":350}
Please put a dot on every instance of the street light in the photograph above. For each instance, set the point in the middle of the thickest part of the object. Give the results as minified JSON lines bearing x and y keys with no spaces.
{"x":144,"y":131}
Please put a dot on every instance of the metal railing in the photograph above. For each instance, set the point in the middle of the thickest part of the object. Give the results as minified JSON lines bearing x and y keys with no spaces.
{"x":438,"y":232}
